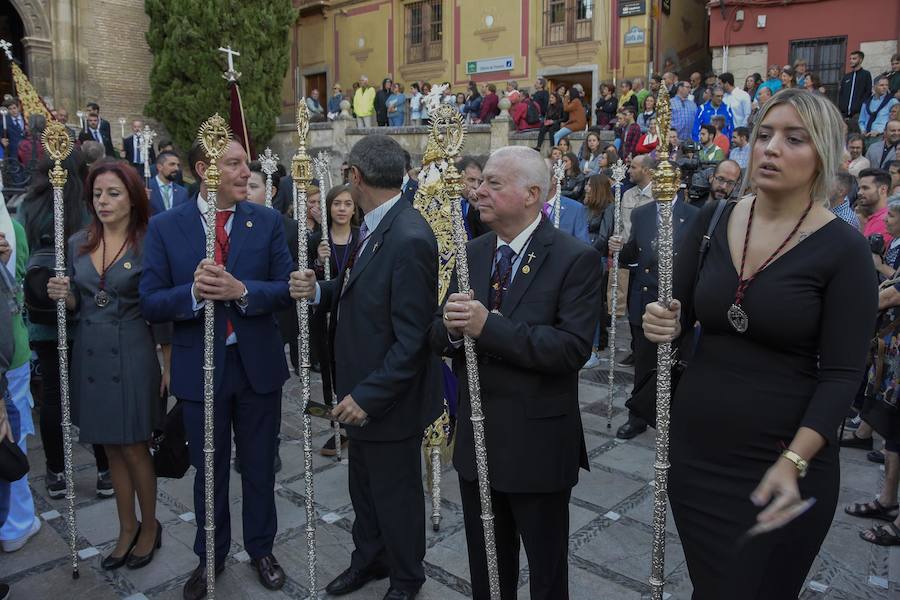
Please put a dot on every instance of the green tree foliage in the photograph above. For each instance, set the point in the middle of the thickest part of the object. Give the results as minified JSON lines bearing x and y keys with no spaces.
{"x":186,"y":84}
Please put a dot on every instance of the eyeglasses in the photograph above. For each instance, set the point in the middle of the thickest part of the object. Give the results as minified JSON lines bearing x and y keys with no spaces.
{"x":726,"y":182}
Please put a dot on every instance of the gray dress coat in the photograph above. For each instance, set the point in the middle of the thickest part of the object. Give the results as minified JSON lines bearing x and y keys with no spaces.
{"x":115,"y":370}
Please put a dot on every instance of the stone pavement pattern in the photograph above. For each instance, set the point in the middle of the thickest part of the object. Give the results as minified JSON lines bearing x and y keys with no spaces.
{"x":610,"y":538}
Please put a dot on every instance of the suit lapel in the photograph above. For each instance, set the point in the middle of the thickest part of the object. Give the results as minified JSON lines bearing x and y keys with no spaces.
{"x":192,"y":228}
{"x":535,"y":254}
{"x":481,"y":262}
{"x":241,"y":227}
{"x":376,"y":239}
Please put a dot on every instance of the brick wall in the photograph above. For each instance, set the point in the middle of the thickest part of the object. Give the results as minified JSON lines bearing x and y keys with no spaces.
{"x":113,"y":58}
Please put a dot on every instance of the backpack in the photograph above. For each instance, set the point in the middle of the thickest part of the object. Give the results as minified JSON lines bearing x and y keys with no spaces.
{"x":40,"y":308}
{"x":532,"y":114}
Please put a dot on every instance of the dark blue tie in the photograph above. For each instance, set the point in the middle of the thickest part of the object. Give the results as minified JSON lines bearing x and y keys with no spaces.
{"x":501,"y":276}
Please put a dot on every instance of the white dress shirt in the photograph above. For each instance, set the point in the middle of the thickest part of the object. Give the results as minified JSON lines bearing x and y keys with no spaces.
{"x":740,"y":104}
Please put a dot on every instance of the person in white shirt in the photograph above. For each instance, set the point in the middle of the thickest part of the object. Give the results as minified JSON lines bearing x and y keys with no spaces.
{"x":858,"y":162}
{"x":737,"y":100}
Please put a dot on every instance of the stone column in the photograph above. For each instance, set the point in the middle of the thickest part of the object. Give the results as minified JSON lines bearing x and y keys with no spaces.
{"x":65,"y":77}
{"x":38,"y":55}
{"x":500,"y":128}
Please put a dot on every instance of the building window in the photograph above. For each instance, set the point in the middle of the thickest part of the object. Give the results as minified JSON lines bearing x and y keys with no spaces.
{"x":825,"y":57}
{"x":568,"y":21}
{"x":425,"y":36}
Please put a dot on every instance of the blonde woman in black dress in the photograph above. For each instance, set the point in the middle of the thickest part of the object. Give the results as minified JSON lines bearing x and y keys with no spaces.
{"x":115,"y":377}
{"x":786,"y":302}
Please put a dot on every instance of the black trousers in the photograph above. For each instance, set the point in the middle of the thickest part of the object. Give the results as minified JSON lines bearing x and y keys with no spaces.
{"x":51,"y":410}
{"x":255,"y":419}
{"x":386,"y":491}
{"x":542,"y":523}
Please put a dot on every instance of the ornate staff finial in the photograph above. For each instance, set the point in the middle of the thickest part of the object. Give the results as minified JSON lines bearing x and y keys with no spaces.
{"x":7,"y":48}
{"x":666,"y":177}
{"x":268,"y":161}
{"x":230,"y":74}
{"x":214,"y":135}
{"x":618,"y":171}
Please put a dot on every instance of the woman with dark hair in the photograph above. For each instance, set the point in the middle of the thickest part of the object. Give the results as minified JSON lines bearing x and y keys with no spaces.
{"x":472,"y":106}
{"x":607,"y":106}
{"x":577,"y":120}
{"x":36,"y":216}
{"x":599,"y":206}
{"x":115,"y":379}
{"x":334,"y":254}
{"x":751,"y":84}
{"x":572,"y":185}
{"x":648,"y":113}
{"x":381,"y":99}
{"x":591,"y":151}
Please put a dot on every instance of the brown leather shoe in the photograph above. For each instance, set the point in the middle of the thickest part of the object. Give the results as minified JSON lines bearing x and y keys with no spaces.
{"x":195,"y":586}
{"x":271,"y":575}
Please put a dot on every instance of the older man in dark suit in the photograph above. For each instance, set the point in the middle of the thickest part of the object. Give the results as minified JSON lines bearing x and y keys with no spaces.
{"x":387,"y":379}
{"x":132,"y":147}
{"x":533,"y":315}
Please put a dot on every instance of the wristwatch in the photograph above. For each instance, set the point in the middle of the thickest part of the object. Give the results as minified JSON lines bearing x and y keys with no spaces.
{"x":798,"y":461}
{"x":242,"y":301}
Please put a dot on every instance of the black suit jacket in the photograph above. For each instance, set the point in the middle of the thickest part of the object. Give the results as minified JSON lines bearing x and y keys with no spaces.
{"x":380,"y":328}
{"x":86,"y":136}
{"x":529,"y":357}
{"x":128,"y":145}
{"x":409,"y":194}
{"x":641,"y":249}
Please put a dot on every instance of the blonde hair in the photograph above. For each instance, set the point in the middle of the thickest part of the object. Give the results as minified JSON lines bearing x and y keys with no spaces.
{"x":825,"y":126}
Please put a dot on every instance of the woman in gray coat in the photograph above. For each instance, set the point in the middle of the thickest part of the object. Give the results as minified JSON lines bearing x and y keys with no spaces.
{"x":115,"y":379}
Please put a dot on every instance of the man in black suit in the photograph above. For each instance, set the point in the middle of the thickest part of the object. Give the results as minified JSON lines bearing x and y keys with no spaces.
{"x":533,"y":317}
{"x":641,"y":250}
{"x":387,"y":379}
{"x":470,"y":169}
{"x":132,"y":147}
{"x":94,"y":132}
{"x":93,"y":107}
{"x":410,"y":186}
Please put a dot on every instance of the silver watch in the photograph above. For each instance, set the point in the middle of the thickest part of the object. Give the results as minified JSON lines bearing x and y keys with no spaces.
{"x":242,"y":301}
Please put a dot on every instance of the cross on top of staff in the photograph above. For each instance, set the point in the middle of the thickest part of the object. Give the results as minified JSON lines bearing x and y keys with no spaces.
{"x":230,"y":74}
{"x":7,"y":48}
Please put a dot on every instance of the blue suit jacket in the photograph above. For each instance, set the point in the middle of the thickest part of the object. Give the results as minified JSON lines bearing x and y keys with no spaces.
{"x":258,"y":257}
{"x":179,"y":196}
{"x":572,"y":219}
{"x":15,"y":135}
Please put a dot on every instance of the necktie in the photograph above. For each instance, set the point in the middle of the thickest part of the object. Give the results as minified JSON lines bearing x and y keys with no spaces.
{"x":167,"y":195}
{"x":97,"y":136}
{"x":223,"y":243}
{"x":501,"y":276}
{"x":363,"y":236}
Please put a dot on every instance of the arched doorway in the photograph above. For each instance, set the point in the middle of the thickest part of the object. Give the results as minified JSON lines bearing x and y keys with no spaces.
{"x":12,"y":30}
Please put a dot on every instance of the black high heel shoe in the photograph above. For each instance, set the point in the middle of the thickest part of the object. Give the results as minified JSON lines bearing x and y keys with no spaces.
{"x":139,"y":562}
{"x":114,"y":562}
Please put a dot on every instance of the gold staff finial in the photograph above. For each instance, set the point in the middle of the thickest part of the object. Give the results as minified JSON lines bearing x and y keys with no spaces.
{"x":301,"y":163}
{"x":214,"y":135}
{"x":58,"y":145}
{"x":666,"y":176}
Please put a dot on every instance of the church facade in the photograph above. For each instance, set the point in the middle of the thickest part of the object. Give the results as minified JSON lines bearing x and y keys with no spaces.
{"x":79,"y":51}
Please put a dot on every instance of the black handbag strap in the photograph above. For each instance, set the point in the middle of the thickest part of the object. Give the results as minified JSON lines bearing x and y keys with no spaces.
{"x":707,"y":238}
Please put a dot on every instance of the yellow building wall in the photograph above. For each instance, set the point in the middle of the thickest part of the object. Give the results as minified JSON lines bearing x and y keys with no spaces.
{"x":684,"y":38}
{"x":347,"y":39}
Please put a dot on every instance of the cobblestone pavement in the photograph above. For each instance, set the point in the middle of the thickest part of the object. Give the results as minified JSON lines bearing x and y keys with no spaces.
{"x":609,"y":546}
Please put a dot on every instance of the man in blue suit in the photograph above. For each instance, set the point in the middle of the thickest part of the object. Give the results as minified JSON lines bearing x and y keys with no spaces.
{"x":15,"y":130}
{"x":249,"y":283}
{"x":572,"y":217}
{"x":165,"y":193}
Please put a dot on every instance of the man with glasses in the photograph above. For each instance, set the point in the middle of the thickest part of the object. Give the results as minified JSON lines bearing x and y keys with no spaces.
{"x":724,"y":181}
{"x":714,"y":107}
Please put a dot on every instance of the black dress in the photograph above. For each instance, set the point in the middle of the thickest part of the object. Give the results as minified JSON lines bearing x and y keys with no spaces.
{"x":799,"y":364}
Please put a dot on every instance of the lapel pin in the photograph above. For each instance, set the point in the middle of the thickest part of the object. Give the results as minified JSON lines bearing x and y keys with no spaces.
{"x":249,"y":223}
{"x":127,"y":265}
{"x":531,"y":257}
{"x":526,"y":269}
{"x":375,"y":247}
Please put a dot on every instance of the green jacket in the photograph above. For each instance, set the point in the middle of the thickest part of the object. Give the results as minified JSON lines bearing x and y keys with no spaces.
{"x":20,"y":331}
